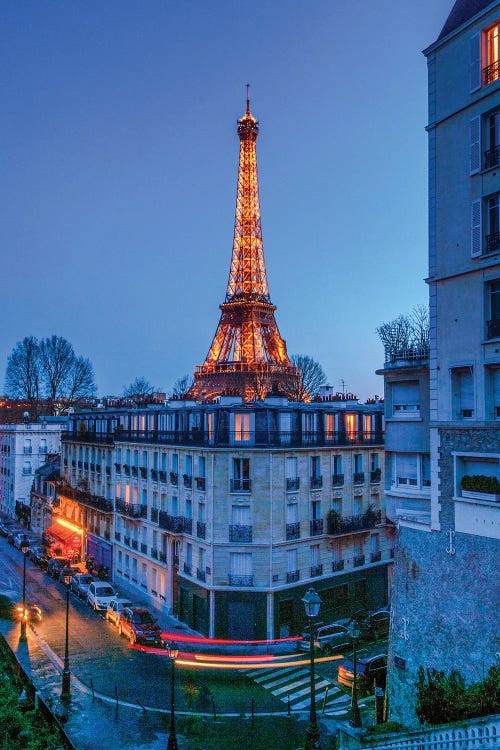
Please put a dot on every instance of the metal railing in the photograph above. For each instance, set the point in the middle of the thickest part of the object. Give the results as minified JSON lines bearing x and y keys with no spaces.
{"x":492,"y":157}
{"x":237,"y":580}
{"x":238,"y":533}
{"x":292,"y":577}
{"x":347,"y":524}
{"x":491,"y":72}
{"x":358,"y":477}
{"x":153,"y":515}
{"x":200,"y":484}
{"x":174,"y":477}
{"x":358,"y":560}
{"x":201,"y":574}
{"x":131,"y":510}
{"x":337,"y":480}
{"x":375,"y":475}
{"x":375,"y":556}
{"x":292,"y":485}
{"x":86,"y":498}
{"x":154,"y":553}
{"x":135,"y":544}
{"x":316,"y":483}
{"x":316,"y":570}
{"x":337,"y":565}
{"x":493,"y":329}
{"x":316,"y":527}
{"x":175,"y":524}
{"x":492,"y":243}
{"x":293,"y":530}
{"x":201,"y":529}
{"x":188,"y":480}
{"x":187,"y":569}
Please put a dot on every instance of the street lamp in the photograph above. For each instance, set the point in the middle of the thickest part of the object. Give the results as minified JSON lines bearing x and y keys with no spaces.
{"x":355,"y":714}
{"x":66,"y":675}
{"x":24,"y":549}
{"x":312,"y":604}
{"x":173,"y":653}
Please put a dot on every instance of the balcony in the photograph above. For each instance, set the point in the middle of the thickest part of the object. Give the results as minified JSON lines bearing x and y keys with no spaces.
{"x":107,"y":535}
{"x":144,"y":472}
{"x":241,"y":485}
{"x":293,"y":531}
{"x":162,"y":476}
{"x":135,"y":544}
{"x":80,"y":464}
{"x":144,"y":548}
{"x":375,"y":476}
{"x":293,"y":577}
{"x":135,"y":471}
{"x":92,"y":467}
{"x":491,"y":72}
{"x":292,"y":485}
{"x":337,"y":480}
{"x":358,"y":477}
{"x":174,"y":478}
{"x":337,"y":525}
{"x":492,"y":157}
{"x":376,"y":556}
{"x":358,"y":560}
{"x":153,"y":515}
{"x":98,"y":468}
{"x":239,"y":533}
{"x":337,"y":566}
{"x":131,"y":510}
{"x":154,"y":475}
{"x":236,"y":580}
{"x":316,"y":570}
{"x":187,"y":569}
{"x":201,"y":575}
{"x":200,"y":484}
{"x":492,"y":244}
{"x":188,"y":480}
{"x":175,"y":524}
{"x":26,"y":472}
{"x":126,"y":540}
{"x":200,"y":529}
{"x":163,"y":557}
{"x":493,"y":329}
{"x":118,"y":536}
{"x":118,"y":468}
{"x":27,"y":450}
{"x":126,"y":470}
{"x":42,"y":449}
{"x":154,"y":553}
{"x":108,"y":471}
{"x":316,"y":483}
{"x":86,"y":498}
{"x":316,"y":527}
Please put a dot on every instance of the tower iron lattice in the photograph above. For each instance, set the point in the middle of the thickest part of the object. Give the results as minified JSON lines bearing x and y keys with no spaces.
{"x":247,"y":356}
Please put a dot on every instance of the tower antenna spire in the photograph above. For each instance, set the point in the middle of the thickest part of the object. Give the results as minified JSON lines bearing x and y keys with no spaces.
{"x":248,"y":98}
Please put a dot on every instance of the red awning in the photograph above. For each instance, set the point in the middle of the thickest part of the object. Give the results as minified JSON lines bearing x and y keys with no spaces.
{"x":61,"y":532}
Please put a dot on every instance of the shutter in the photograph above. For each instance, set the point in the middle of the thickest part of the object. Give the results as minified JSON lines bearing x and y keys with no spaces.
{"x":292,"y":513}
{"x":475,"y":144}
{"x":291,"y":468}
{"x":476,"y":230}
{"x":240,"y":515}
{"x":466,"y":391}
{"x":291,"y":560}
{"x":475,"y":62}
{"x":406,"y":466}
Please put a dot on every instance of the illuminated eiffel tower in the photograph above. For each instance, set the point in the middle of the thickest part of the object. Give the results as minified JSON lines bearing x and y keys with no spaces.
{"x":247,"y":356}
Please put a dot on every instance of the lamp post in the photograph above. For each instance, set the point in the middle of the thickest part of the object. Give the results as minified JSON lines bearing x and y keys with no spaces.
{"x":312,"y":604}
{"x":24,"y":549}
{"x":173,"y":653}
{"x":66,"y":675}
{"x":355,"y":714}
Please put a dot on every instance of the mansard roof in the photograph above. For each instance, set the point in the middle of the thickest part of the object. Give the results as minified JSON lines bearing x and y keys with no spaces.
{"x":462,"y":11}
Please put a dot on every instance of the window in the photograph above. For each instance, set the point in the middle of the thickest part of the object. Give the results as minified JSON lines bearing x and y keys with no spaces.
{"x":240,"y":568}
{"x":315,"y":510}
{"x":241,"y":475}
{"x":291,"y":467}
{"x":315,"y":467}
{"x":492,"y":133}
{"x":350,"y":422}
{"x":405,"y":469}
{"x":201,"y":559}
{"x":241,"y":427}
{"x":202,"y":512}
{"x":175,"y":463}
{"x":374,"y":461}
{"x":490,"y":57}
{"x":493,"y":302}
{"x":406,"y":399}
{"x":337,"y":465}
{"x":356,"y":505}
{"x":492,"y":243}
{"x":291,"y":561}
{"x":462,"y":389}
{"x":27,"y":445}
{"x":210,"y":426}
{"x":189,"y":554}
{"x":493,"y":375}
{"x":329,"y":426}
{"x":189,"y":508}
{"x":314,"y":555}
{"x":189,"y":466}
{"x":292,"y":513}
{"x":358,"y":463}
{"x":201,"y":467}
{"x":336,"y":552}
{"x":175,"y":505}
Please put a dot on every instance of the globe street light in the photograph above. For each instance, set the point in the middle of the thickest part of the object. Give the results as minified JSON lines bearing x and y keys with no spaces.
{"x":24,"y":549}
{"x":312,"y":604}
{"x":173,"y":653}
{"x":66,"y":675}
{"x":355,"y":714}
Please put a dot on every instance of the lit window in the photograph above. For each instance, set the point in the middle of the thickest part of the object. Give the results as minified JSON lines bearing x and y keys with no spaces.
{"x":491,"y":66}
{"x":329,"y":426}
{"x":350,"y":421}
{"x":241,"y":427}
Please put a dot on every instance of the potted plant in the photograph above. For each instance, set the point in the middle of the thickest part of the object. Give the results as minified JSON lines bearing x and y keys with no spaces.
{"x":480,"y":487}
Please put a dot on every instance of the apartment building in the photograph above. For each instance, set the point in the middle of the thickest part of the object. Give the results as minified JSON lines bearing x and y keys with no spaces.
{"x":225,"y":513}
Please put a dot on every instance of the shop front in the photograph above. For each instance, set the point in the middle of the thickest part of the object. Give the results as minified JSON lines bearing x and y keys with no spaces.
{"x":64,"y":539}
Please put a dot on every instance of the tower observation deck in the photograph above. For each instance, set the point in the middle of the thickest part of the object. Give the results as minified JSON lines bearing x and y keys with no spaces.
{"x":247,"y":356}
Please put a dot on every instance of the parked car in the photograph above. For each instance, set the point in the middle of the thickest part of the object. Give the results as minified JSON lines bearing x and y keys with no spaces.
{"x":38,"y":555}
{"x":67,"y":570}
{"x":100,"y":594}
{"x":371,"y":672}
{"x":115,"y":608}
{"x":55,"y":565}
{"x":139,"y":626}
{"x":329,"y":638}
{"x":379,"y":623}
{"x":80,"y":584}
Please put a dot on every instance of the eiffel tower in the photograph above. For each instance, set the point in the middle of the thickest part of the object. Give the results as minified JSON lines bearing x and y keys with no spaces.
{"x":247,"y":357}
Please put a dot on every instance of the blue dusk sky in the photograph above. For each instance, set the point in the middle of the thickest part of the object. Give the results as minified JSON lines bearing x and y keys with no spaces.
{"x":119,"y":165}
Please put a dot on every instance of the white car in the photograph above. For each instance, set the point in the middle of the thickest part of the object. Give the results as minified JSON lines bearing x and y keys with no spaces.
{"x":100,"y":594}
{"x":115,"y":608}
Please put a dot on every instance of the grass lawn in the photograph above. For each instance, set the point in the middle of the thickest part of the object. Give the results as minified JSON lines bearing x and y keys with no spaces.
{"x":266,"y":733}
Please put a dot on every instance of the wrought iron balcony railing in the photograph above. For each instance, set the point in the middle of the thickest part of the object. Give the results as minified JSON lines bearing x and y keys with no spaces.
{"x":135,"y":544}
{"x":316,"y":527}
{"x":492,"y":157}
{"x":126,"y":470}
{"x":200,"y":484}
{"x":154,"y":553}
{"x":241,"y":485}
{"x":27,"y":450}
{"x":337,"y":526}
{"x":293,"y":530}
{"x":153,"y":515}
{"x":493,"y":329}
{"x":108,"y":471}
{"x":175,"y":524}
{"x":337,"y":565}
{"x":187,"y":569}
{"x":375,"y":475}
{"x":292,"y":485}
{"x":126,"y":540}
{"x":201,"y":574}
{"x":188,"y":480}
{"x":201,"y":528}
{"x":358,"y":477}
{"x":154,"y":475}
{"x":316,"y":570}
{"x":292,"y":576}
{"x":144,"y":548}
{"x":238,"y":533}
{"x":316,"y":483}
{"x":337,"y":480}
{"x":174,"y":477}
{"x":237,"y":580}
{"x":86,"y":498}
{"x":491,"y":72}
{"x":118,"y":536}
{"x":163,"y":557}
{"x":376,"y":556}
{"x":144,"y":472}
{"x":132,"y":510}
{"x":118,"y":468}
{"x":492,"y":243}
{"x":135,"y":471}
{"x":162,"y":475}
{"x":358,"y":560}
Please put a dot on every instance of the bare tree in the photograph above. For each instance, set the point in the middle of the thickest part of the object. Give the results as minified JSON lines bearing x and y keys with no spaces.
{"x":406,"y":335}
{"x":58,"y":358}
{"x":23,"y":375}
{"x":311,"y":377}
{"x":419,"y":318}
{"x":81,"y":382}
{"x":182,"y":385}
{"x":138,"y":390}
